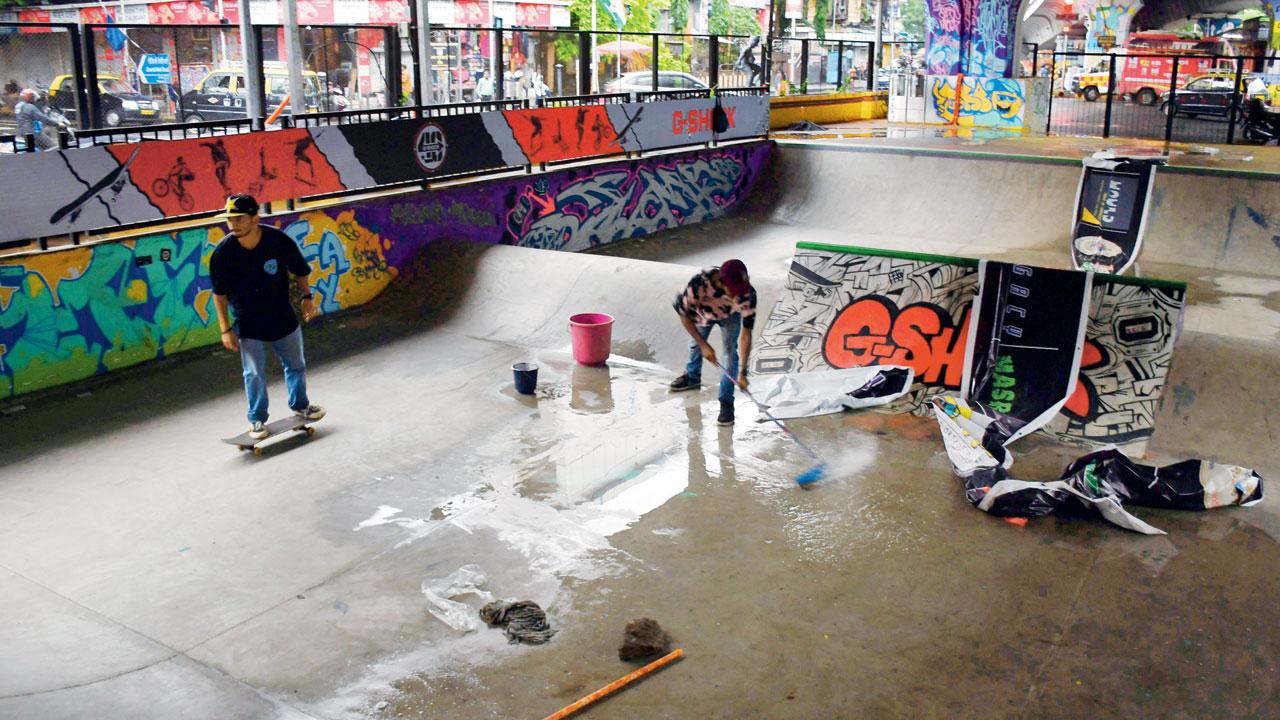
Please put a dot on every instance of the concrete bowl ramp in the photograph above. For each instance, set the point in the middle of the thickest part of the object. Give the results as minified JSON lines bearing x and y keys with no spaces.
{"x":979,"y":205}
{"x":151,"y":572}
{"x":525,"y":297}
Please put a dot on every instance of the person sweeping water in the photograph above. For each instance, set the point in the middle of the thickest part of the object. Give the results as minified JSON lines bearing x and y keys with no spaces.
{"x":720,"y":296}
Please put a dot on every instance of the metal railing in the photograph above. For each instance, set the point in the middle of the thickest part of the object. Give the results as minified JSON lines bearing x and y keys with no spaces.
{"x":1169,"y":97}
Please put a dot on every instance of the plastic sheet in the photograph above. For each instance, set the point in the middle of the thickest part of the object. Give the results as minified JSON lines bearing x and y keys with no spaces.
{"x":466,"y":580}
{"x":1100,"y":481}
{"x":833,"y":391}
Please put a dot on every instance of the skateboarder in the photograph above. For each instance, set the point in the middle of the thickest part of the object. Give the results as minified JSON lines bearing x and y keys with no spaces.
{"x":251,"y":268}
{"x":718,"y":296}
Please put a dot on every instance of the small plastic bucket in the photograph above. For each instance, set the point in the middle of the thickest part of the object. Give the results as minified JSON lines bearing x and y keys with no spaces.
{"x":592,"y":334}
{"x":526,"y":377}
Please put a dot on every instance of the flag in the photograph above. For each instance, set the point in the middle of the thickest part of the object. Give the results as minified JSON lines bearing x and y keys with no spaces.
{"x":616,"y":10}
{"x":115,"y":38}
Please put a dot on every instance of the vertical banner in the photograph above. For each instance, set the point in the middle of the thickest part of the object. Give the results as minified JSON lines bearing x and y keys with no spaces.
{"x":1026,"y":335}
{"x":1111,"y":212}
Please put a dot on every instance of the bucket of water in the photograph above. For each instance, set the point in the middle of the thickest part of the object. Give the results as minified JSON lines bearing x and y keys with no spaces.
{"x":526,"y":377}
{"x":591,"y":333}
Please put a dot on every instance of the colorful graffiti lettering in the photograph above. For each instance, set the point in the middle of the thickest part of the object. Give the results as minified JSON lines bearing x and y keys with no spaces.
{"x":873,"y":331}
{"x":612,"y":204}
{"x":68,"y":315}
{"x":989,"y":102}
{"x":971,"y":37}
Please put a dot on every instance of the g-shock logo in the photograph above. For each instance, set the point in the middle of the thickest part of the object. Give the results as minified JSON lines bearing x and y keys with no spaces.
{"x":430,"y":147}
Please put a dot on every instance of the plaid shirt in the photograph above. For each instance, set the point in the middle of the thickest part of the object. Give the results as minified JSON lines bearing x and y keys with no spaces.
{"x":705,"y":304}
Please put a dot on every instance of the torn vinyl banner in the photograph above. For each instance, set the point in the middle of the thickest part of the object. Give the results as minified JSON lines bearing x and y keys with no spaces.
{"x":832,"y":391}
{"x":1102,"y":481}
{"x":1111,"y":211}
{"x":1026,"y":334}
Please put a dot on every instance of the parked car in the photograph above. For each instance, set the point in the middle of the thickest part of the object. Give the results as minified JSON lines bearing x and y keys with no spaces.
{"x":221,"y":94}
{"x":642,"y":81}
{"x":1210,"y":94}
{"x":118,"y":103}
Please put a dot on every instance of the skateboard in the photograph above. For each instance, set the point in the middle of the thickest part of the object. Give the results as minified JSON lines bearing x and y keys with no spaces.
{"x":293,"y":423}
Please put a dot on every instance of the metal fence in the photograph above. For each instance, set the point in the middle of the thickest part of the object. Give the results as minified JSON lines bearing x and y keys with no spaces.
{"x":1179,"y":98}
{"x":151,"y":77}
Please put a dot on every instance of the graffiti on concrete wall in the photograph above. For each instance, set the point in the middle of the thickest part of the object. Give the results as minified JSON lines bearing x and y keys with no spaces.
{"x":983,"y":102}
{"x":973,"y":37}
{"x":1107,"y":26}
{"x":942,"y":37}
{"x":86,"y":189}
{"x":841,"y":310}
{"x":70,"y":314}
{"x":600,"y":206}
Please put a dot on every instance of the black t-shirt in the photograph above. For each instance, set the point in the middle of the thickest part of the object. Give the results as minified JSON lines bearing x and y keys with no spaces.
{"x":257,"y":283}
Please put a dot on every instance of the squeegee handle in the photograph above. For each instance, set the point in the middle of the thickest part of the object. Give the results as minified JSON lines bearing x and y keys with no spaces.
{"x":764,"y":409}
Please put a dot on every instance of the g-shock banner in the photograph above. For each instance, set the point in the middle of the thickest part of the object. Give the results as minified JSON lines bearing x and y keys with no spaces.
{"x":1026,"y":335}
{"x":1111,"y":212}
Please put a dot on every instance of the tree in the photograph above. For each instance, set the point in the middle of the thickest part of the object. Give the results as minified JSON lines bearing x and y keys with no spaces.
{"x":820,"y":19}
{"x":679,"y":15}
{"x":727,"y":20}
{"x":912,"y":18}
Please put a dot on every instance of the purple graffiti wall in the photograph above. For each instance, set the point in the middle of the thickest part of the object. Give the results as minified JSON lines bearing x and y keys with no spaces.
{"x":973,"y":37}
{"x":574,"y":209}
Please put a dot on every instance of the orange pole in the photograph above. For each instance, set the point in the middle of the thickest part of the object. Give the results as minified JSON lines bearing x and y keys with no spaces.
{"x":955,"y":115}
{"x":617,"y":685}
{"x":276,"y":115}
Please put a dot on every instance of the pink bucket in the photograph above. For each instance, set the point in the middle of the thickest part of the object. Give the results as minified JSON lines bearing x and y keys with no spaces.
{"x":592,"y":333}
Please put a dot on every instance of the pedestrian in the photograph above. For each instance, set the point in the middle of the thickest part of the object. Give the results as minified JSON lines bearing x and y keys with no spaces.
{"x":251,"y":269}
{"x":718,"y":296}
{"x":484,"y":87}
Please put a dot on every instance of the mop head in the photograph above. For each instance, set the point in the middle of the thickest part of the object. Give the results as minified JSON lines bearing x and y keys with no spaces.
{"x":811,"y":475}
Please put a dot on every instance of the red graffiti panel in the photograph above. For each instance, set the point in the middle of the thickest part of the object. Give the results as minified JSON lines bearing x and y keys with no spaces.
{"x":550,"y":134}
{"x":197,"y":175}
{"x":874,"y":331}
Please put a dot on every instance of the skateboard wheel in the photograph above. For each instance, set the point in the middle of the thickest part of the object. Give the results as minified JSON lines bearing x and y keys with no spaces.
{"x":311,"y":431}
{"x":257,"y":451}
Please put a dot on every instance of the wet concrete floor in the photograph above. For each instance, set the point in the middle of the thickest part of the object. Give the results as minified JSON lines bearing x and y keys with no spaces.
{"x":151,"y":572}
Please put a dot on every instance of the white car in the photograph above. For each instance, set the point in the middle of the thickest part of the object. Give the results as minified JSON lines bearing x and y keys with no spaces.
{"x":642,"y":81}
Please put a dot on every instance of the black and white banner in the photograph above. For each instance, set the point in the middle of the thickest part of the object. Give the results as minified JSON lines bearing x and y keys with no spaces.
{"x":1026,"y":334}
{"x":1111,"y":212}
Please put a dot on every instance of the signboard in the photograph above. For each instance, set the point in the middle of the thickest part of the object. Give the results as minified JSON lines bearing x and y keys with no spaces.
{"x":1026,"y":336}
{"x":155,"y":69}
{"x":1111,"y":212}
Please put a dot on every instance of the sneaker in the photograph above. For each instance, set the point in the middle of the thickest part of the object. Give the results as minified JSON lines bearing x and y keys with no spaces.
{"x":726,"y":413}
{"x":684,"y":382}
{"x":310,"y":412}
{"x":258,"y":430}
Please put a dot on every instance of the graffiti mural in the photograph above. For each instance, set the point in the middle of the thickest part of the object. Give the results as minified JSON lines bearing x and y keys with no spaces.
{"x":600,"y":206}
{"x":70,"y":314}
{"x":854,"y":309}
{"x":942,"y":37}
{"x":984,"y":102}
{"x":86,"y":189}
{"x":970,"y":37}
{"x":1128,"y":349}
{"x":1107,"y":26}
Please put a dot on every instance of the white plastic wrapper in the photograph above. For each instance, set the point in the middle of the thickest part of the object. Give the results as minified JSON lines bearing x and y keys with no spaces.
{"x":832,"y":391}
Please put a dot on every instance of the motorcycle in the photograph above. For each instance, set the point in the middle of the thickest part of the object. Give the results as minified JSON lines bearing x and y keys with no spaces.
{"x":46,"y":135}
{"x":1260,"y":126}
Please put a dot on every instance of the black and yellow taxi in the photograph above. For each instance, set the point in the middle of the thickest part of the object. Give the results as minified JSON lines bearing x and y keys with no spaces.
{"x":118,"y":102}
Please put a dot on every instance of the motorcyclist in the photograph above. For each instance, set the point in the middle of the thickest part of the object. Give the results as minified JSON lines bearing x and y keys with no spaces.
{"x":31,"y":119}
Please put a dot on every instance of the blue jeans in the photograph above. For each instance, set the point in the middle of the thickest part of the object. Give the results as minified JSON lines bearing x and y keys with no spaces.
{"x":253,"y":356}
{"x":729,"y":329}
